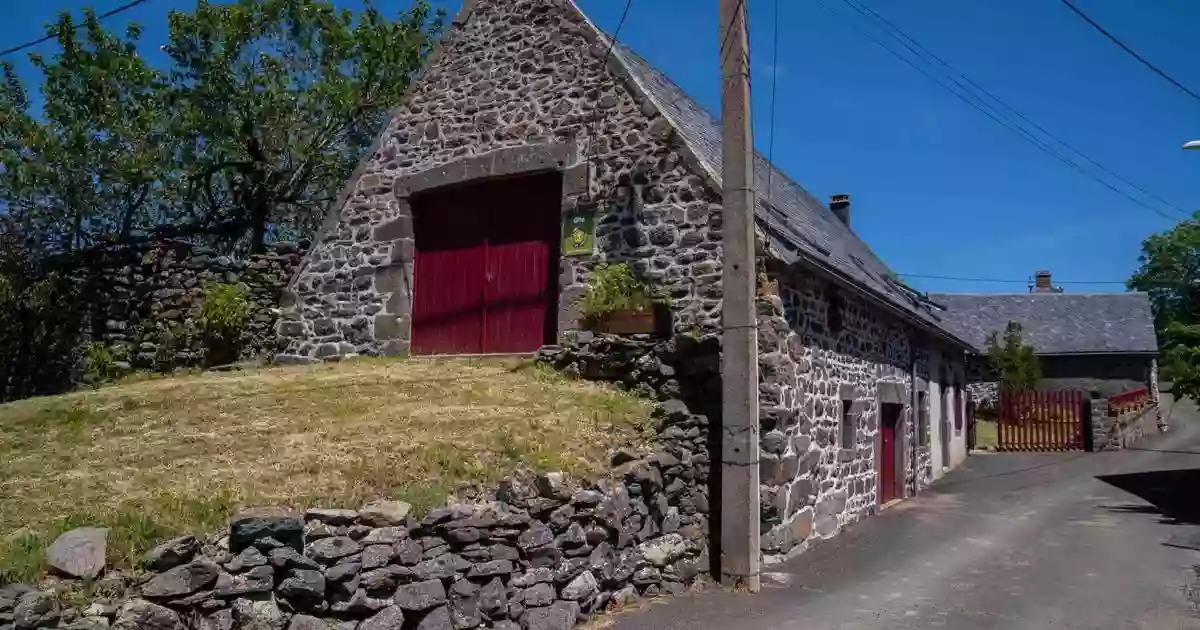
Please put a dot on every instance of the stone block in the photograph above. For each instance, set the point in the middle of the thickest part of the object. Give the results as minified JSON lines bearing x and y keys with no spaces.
{"x":392,"y":279}
{"x":403,"y":250}
{"x":400,"y":227}
{"x":389,"y":327}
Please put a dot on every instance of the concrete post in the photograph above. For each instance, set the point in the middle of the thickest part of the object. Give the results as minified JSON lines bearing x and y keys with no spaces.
{"x":740,"y":517}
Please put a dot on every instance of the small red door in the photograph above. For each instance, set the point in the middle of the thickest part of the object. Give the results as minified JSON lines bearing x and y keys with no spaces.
{"x":486,"y":267}
{"x":890,"y":416}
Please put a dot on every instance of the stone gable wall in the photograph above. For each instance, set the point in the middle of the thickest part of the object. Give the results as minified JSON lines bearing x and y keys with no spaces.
{"x":517,"y":86}
{"x":812,"y":485}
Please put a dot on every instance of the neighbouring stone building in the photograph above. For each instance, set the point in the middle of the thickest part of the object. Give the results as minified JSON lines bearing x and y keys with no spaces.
{"x":449,"y":239}
{"x":1101,"y":342}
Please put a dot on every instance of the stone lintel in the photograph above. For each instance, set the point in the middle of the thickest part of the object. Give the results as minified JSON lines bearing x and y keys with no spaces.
{"x":893,"y":393}
{"x":531,"y":158}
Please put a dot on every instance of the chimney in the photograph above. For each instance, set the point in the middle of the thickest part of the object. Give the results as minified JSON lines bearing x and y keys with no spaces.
{"x":1041,"y":282}
{"x":840,"y":205}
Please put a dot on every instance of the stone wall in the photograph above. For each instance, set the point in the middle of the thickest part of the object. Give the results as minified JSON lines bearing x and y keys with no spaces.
{"x":811,"y":360}
{"x":538,"y":552}
{"x":1113,"y":431}
{"x":147,"y":298}
{"x":514,"y":89}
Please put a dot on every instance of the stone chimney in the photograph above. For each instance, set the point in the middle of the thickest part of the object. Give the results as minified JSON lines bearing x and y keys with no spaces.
{"x":840,"y":205}
{"x":1041,"y":282}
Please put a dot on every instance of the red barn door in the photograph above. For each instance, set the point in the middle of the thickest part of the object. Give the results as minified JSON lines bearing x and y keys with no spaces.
{"x":486,"y":267}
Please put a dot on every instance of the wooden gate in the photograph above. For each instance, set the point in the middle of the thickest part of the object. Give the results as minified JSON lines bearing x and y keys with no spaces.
{"x":1040,"y":421}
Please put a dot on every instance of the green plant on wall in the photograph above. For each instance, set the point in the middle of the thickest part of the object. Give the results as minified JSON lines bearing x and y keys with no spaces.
{"x":613,"y":288}
{"x":99,"y":364}
{"x":224,"y":312}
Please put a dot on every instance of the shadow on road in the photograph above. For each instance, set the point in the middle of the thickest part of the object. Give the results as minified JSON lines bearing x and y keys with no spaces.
{"x":1172,"y":494}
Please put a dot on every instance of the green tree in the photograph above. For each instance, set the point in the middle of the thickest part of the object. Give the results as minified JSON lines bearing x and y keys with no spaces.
{"x":1013,"y":360}
{"x":1169,"y":272}
{"x":278,"y":99}
{"x":92,"y":162}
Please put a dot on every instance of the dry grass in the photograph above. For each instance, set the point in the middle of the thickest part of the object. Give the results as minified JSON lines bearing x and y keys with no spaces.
{"x":157,"y":457}
{"x":985,"y":434}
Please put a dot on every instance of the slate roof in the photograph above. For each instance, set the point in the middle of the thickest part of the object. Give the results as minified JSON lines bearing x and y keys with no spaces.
{"x":798,"y":225}
{"x":1056,"y":323}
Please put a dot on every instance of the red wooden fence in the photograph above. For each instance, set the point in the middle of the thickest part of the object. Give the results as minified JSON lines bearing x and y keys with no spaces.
{"x":1040,"y":421}
{"x":1131,"y":400}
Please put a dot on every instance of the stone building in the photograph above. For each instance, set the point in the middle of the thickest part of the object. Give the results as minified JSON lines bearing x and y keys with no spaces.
{"x":448,"y":239}
{"x":1103,"y":342}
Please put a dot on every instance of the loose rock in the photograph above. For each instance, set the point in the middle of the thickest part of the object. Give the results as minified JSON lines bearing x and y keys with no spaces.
{"x":79,"y":553}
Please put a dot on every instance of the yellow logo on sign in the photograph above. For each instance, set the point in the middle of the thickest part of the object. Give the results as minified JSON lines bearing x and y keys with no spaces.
{"x":578,"y":237}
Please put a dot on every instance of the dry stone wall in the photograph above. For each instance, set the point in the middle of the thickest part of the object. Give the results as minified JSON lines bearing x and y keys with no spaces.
{"x":149,"y":295}
{"x":518,"y":86}
{"x":538,"y":552}
{"x":819,"y":347}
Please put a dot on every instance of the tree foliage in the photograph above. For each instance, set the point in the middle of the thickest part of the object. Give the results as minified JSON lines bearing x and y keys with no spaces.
{"x":1169,"y":272}
{"x":246,"y":133}
{"x":1013,"y":360}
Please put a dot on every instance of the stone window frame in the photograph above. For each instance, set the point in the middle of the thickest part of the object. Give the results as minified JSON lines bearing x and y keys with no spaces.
{"x":847,"y":426}
{"x":922,"y":423}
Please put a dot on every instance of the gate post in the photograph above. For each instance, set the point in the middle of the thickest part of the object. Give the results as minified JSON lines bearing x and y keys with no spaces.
{"x":1088,"y":439}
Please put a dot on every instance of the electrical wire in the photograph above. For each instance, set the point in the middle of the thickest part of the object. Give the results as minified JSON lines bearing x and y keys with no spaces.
{"x":977,"y":103}
{"x":612,"y":43}
{"x":106,"y":14}
{"x":771,"y":119}
{"x":1129,"y":50}
{"x":967,"y":83}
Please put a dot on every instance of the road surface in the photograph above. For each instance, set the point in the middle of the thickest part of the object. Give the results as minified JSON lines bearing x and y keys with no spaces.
{"x":1008,"y":542}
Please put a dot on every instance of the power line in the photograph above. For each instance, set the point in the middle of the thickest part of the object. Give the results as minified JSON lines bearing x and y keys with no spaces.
{"x":1129,"y":50}
{"x":918,"y":49}
{"x":106,"y":14}
{"x":771,"y":119}
{"x":964,"y":93}
{"x":612,"y":43}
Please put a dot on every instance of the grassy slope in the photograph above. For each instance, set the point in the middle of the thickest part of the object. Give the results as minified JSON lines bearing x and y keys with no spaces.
{"x":159,"y":457}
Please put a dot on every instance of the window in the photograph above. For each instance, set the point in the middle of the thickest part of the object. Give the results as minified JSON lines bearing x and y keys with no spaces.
{"x":847,"y":426}
{"x":923,"y":418}
{"x":958,"y":409}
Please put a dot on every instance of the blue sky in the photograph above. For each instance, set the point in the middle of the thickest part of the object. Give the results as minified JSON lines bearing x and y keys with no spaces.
{"x":938,"y":188}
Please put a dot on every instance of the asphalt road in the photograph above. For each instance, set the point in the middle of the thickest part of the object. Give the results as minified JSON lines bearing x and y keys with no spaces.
{"x":1009,"y":541}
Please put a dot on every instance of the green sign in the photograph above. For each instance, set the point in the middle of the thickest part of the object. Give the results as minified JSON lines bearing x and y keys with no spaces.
{"x":579,"y":233}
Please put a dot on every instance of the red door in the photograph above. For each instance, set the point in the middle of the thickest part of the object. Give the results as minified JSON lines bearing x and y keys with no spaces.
{"x":887,"y":452}
{"x":486,"y":263}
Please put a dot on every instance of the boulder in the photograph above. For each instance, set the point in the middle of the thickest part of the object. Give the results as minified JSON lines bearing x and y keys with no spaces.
{"x":436,"y":619}
{"x":329,"y":550}
{"x":172,"y":553}
{"x":251,"y":524}
{"x":182,"y":580}
{"x":538,"y":595}
{"x":384,"y":513}
{"x":420,"y":595}
{"x":257,"y":612}
{"x":303,"y":586}
{"x":256,"y":580}
{"x":331,"y":516}
{"x":140,"y":614}
{"x":385,"y":536}
{"x":581,"y":588}
{"x":664,"y":550}
{"x":35,"y":609}
{"x":493,"y":599}
{"x":390,"y":618}
{"x":552,"y":618}
{"x":375,"y":556}
{"x":286,"y":558}
{"x":10,"y":593}
{"x":494,"y":567}
{"x":307,"y":622}
{"x":249,"y":558}
{"x":79,"y":553}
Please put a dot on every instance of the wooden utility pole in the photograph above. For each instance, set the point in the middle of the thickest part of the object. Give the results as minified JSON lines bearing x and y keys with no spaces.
{"x":740,"y":549}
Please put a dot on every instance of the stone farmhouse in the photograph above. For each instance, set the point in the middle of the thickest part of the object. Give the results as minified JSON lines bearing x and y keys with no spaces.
{"x":448,"y":240}
{"x":1102,"y":342}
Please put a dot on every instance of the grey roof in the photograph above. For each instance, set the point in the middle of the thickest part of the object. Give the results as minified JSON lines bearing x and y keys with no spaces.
{"x":1056,"y":323}
{"x":798,"y":225}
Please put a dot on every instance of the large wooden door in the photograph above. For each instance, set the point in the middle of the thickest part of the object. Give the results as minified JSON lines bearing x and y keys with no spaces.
{"x":890,"y":418}
{"x":497,"y":242}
